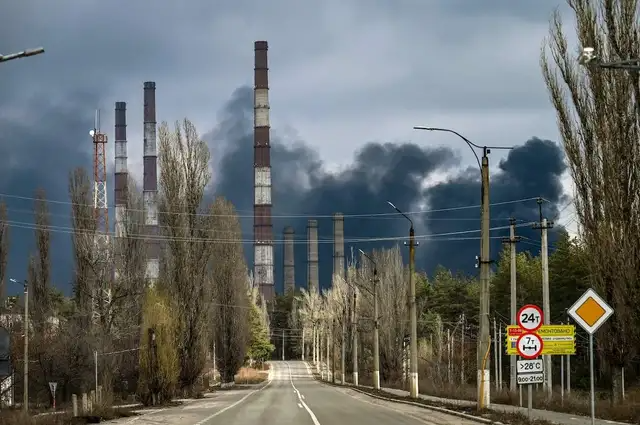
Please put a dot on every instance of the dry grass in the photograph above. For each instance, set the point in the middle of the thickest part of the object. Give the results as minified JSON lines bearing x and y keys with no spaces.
{"x":576,"y":403}
{"x":246,"y":376}
{"x":17,"y":417}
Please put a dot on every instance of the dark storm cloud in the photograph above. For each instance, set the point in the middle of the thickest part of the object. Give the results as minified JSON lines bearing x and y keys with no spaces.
{"x":303,"y":189}
{"x":41,"y":140}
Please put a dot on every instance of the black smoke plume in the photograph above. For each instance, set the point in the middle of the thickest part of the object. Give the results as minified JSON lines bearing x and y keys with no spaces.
{"x":303,"y":189}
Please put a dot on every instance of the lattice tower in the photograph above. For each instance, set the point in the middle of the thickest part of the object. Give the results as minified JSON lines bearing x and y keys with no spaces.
{"x":101,"y":295}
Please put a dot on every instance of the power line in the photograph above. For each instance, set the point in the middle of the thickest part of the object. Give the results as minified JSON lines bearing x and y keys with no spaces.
{"x":389,"y":214}
{"x":88,"y":232}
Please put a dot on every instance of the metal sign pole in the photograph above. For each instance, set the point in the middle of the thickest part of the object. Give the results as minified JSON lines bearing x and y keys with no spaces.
{"x":593,"y":396}
{"x":529,"y":400}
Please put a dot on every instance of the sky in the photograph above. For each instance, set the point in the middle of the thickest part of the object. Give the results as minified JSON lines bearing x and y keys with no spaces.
{"x":348,"y":81}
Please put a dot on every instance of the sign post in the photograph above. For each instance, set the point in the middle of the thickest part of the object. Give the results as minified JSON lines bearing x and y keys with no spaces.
{"x":52,"y":388}
{"x":529,"y":346}
{"x":590,"y":312}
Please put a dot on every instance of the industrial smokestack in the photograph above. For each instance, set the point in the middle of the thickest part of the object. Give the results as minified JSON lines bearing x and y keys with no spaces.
{"x":313,"y":276}
{"x":289,"y":262}
{"x":338,"y":245}
{"x":121,"y":175}
{"x":262,"y":226}
{"x":150,"y":183}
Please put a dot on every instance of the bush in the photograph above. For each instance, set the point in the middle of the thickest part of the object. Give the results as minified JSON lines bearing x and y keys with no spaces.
{"x":250,"y":376}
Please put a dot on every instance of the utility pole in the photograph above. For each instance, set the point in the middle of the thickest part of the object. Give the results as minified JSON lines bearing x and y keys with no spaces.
{"x":544,"y":226}
{"x":376,"y":336}
{"x":413,"y":313}
{"x":303,"y":347}
{"x":512,"y":240}
{"x":495,"y":351}
{"x":449,"y":378}
{"x":462,"y":351}
{"x":333,"y":351}
{"x":343,"y":345}
{"x":25,"y":392}
{"x":484,"y":334}
{"x":498,"y":344}
{"x":283,"y":344}
{"x":484,"y":337}
{"x":354,"y":331}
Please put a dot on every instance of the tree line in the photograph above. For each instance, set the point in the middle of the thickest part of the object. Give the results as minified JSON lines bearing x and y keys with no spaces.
{"x":448,"y":317}
{"x":155,"y":340}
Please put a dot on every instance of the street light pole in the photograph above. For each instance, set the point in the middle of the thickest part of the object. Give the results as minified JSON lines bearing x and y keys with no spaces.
{"x":484,"y":336}
{"x":23,"y":54}
{"x":589,"y":58}
{"x":25,"y":368}
{"x":376,"y":335}
{"x":413,"y":343}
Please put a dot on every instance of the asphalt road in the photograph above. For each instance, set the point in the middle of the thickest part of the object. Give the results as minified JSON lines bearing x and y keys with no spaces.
{"x":292,"y":396}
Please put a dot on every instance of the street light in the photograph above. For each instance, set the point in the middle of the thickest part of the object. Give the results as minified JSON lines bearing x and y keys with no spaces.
{"x":376,"y":337}
{"x":413,"y":362}
{"x":23,"y":54}
{"x":25,"y":325}
{"x":589,"y":58}
{"x":484,"y":338}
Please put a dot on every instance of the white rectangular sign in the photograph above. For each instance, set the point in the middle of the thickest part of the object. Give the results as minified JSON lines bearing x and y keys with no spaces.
{"x":530,"y":378}
{"x":529,"y":366}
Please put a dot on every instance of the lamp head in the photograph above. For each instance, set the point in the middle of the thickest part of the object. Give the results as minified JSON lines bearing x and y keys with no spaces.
{"x":587,"y":56}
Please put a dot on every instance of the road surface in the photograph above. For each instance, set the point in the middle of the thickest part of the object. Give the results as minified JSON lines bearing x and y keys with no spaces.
{"x":293,"y":397}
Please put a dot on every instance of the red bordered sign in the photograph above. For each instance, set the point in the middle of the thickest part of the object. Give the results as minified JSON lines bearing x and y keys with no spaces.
{"x":530,"y":317}
{"x":529,"y":345}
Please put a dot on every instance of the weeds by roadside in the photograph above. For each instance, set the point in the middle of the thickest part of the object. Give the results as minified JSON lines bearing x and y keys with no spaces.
{"x":100,"y":414}
{"x":247,"y":376}
{"x":576,"y":403}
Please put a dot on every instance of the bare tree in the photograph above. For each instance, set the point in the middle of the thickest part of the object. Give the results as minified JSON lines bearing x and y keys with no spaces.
{"x":84,"y":225}
{"x":230,"y":300}
{"x":40,"y":265}
{"x":598,"y":115}
{"x":4,"y":247}
{"x":184,"y":165}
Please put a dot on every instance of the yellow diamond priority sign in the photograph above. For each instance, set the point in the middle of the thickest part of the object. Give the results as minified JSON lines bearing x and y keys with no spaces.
{"x":590,"y":311}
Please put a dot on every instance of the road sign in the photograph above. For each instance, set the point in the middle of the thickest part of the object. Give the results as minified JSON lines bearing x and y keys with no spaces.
{"x":530,"y":378}
{"x":529,"y":346}
{"x":529,"y":366}
{"x":557,"y":339}
{"x":530,"y":317}
{"x":52,"y":388}
{"x":590,"y":311}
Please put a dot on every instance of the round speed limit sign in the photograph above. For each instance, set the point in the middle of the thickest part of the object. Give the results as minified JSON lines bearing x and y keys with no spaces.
{"x":530,"y":317}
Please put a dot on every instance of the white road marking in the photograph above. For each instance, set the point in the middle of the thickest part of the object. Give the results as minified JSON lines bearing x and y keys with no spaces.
{"x":303,"y":396}
{"x":207,"y":419}
{"x":300,"y":397}
{"x":300,"y":405}
{"x":388,"y":408}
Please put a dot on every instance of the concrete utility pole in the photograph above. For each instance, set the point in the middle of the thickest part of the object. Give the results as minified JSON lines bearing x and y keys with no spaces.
{"x":484,"y":336}
{"x":23,"y":54}
{"x":303,"y":347}
{"x":512,"y":240}
{"x":25,"y":401}
{"x":544,"y":226}
{"x":283,"y":344}
{"x":343,"y":344}
{"x":413,"y":342}
{"x":354,"y":345}
{"x":495,"y":351}
{"x":462,"y":350}
{"x":376,"y":324}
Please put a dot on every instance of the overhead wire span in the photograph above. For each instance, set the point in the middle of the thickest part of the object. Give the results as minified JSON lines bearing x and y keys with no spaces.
{"x":388,"y":214}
